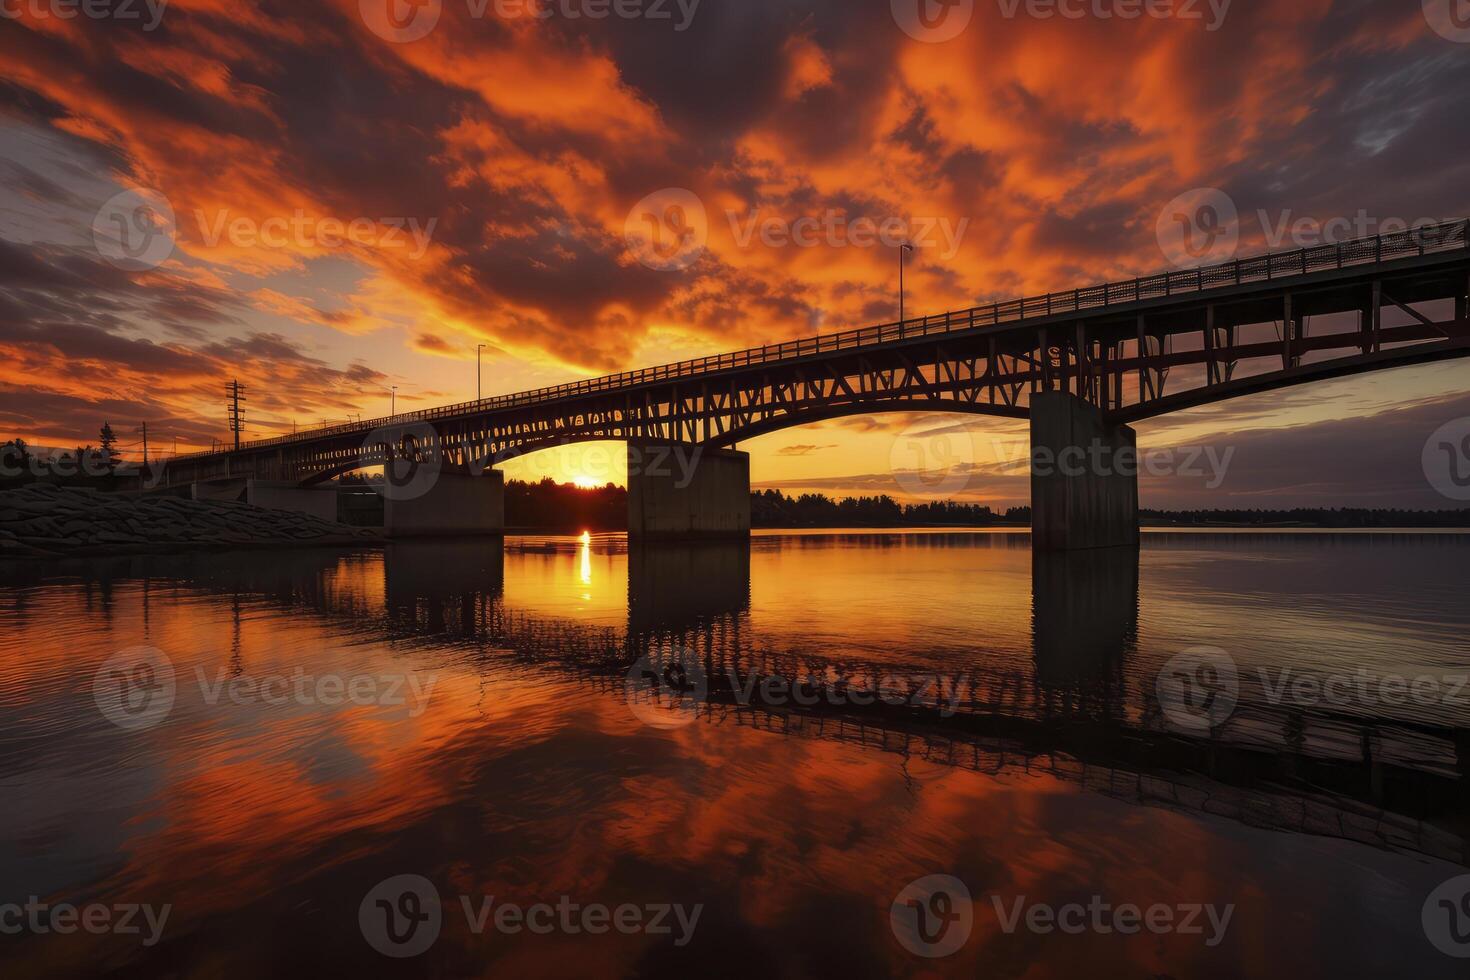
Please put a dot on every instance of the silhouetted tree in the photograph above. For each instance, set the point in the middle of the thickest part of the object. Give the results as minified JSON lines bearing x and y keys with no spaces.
{"x":108,"y":454}
{"x":15,"y":458}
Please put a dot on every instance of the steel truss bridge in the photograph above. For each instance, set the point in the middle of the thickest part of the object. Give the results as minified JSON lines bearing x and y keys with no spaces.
{"x":1136,"y":349}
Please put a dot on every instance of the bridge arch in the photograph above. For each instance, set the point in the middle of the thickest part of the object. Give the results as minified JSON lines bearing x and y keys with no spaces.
{"x":826,"y":413}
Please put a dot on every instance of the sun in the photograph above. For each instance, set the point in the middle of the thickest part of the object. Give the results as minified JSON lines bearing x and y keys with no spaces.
{"x":585,"y":482}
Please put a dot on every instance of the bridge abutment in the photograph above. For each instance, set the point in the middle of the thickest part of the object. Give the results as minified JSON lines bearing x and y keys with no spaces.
{"x":217,"y":489}
{"x":1084,"y":476}
{"x":289,"y":496}
{"x":449,"y":504}
{"x":677,"y":490}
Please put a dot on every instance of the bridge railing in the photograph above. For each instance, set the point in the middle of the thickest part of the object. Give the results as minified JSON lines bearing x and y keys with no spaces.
{"x":1445,"y":236}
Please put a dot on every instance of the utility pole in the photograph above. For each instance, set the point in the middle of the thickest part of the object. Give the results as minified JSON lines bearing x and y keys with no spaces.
{"x":235,"y":390}
{"x":144,"y":430}
{"x":478,"y":395}
{"x":905,"y":247}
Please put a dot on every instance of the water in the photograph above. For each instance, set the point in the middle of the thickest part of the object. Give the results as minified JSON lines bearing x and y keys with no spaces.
{"x":493,"y":746}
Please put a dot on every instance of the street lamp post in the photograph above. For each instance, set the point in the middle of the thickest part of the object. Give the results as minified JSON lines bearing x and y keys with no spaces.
{"x":478,"y":395}
{"x":393,"y":402}
{"x":905,"y":247}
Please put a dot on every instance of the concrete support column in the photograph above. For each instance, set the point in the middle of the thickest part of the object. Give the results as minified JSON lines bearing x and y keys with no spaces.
{"x":448,"y":504}
{"x":676,"y":490}
{"x":217,"y":489}
{"x":1084,"y":476}
{"x":285,"y":495}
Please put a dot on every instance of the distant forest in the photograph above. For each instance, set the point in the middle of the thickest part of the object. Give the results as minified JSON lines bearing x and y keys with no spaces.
{"x":1307,"y":517}
{"x":772,"y":508}
{"x":548,"y":504}
{"x":563,"y":506}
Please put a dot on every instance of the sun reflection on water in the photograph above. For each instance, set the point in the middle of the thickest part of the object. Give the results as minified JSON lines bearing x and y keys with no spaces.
{"x":586,"y":560}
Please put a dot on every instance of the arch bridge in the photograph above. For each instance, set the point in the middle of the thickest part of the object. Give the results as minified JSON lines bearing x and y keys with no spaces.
{"x":1081,"y":364}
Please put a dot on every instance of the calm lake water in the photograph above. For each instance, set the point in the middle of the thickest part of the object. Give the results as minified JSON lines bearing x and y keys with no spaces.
{"x":1224,"y":755}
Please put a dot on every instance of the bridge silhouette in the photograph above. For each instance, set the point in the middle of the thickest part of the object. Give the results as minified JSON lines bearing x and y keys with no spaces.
{"x":1087,"y":360}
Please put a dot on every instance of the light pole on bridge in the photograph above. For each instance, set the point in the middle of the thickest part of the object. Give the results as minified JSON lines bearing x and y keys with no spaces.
{"x":393,"y":402}
{"x":478,"y":396}
{"x":902,"y":250}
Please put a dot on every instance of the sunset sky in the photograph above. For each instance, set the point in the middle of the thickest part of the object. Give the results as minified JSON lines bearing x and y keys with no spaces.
{"x":492,"y":167}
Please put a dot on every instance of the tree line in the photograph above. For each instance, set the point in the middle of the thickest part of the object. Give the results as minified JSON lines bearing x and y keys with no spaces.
{"x":549,"y":505}
{"x":1308,"y":517}
{"x":19,"y":463}
{"x":772,"y":508}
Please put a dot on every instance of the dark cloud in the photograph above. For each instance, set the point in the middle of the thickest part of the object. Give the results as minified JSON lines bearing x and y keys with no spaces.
{"x":528,"y":143}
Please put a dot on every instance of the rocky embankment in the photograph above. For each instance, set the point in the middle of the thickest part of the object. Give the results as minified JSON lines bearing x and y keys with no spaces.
{"x":38,"y":521}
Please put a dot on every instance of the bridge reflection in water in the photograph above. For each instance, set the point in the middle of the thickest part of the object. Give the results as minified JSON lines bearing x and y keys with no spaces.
{"x":1082,"y":711}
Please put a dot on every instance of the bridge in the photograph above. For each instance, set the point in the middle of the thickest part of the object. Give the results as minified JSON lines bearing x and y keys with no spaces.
{"x":1080,"y":364}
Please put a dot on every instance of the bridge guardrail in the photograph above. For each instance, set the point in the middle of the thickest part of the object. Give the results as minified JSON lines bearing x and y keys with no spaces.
{"x":1445,"y":236}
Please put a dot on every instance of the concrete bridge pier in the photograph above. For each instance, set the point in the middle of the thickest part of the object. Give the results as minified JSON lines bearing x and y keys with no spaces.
{"x":445,"y":503}
{"x":231,"y":489}
{"x":319,"y":502}
{"x":1084,"y":476}
{"x":678,"y":490}
{"x":270,"y":494}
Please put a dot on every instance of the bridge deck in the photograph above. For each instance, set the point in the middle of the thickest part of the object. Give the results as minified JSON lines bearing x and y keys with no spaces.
{"x":1305,"y":268}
